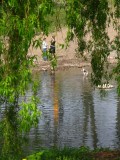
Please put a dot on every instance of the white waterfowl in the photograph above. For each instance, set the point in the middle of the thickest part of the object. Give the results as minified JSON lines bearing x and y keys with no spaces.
{"x":105,"y":86}
{"x":110,"y":86}
{"x":85,"y":72}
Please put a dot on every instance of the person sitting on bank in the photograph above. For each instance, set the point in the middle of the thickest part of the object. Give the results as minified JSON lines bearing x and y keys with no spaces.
{"x":44,"y":49}
{"x":52,"y":46}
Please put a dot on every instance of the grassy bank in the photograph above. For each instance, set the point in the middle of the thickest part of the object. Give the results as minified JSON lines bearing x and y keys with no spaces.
{"x":83,"y":153}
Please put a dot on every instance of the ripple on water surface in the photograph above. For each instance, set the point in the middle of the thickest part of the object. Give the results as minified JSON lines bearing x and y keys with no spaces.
{"x":74,"y":113}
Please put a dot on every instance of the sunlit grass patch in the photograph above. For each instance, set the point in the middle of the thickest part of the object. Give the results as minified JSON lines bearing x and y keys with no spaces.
{"x":62,"y":154}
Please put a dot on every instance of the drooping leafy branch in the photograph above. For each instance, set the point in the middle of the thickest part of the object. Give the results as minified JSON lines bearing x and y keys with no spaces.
{"x":19,"y":21}
{"x":89,"y":21}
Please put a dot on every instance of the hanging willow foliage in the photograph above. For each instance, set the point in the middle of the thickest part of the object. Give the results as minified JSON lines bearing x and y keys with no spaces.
{"x":19,"y":20}
{"x":92,"y":18}
{"x":88,"y":20}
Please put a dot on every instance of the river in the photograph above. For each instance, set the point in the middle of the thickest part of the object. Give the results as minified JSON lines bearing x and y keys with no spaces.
{"x":74,"y":113}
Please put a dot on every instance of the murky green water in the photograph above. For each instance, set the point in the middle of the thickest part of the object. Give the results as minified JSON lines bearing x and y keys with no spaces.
{"x":75,"y":114}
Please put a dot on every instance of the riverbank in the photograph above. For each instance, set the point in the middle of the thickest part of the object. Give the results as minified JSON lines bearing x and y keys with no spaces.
{"x":66,"y":57}
{"x":61,"y":64}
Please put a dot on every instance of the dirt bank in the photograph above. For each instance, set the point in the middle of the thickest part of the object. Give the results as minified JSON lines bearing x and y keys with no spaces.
{"x":66,"y":57}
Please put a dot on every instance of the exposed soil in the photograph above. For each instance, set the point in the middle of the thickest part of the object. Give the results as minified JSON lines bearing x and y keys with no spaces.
{"x":66,"y":58}
{"x":107,"y":155}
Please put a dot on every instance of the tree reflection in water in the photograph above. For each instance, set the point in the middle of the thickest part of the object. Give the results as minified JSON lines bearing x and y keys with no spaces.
{"x":89,"y":113}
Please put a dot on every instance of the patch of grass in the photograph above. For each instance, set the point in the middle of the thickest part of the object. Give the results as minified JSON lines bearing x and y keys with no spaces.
{"x":82,"y":153}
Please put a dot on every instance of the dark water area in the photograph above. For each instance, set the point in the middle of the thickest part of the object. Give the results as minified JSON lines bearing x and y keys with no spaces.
{"x":74,"y":113}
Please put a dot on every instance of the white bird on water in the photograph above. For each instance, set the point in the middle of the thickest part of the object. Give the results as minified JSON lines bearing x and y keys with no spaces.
{"x":105,"y":86}
{"x":85,"y":72}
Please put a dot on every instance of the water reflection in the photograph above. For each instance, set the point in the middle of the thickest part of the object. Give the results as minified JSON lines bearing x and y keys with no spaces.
{"x":55,"y":88}
{"x":118,"y":122}
{"x":55,"y":100}
{"x":73,"y":114}
{"x":89,"y":124}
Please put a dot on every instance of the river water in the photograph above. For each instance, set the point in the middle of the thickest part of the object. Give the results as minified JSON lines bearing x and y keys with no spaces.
{"x":74,"y":113}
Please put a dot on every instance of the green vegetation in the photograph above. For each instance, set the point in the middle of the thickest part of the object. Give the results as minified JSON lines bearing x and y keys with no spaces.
{"x":89,"y":21}
{"x":20,"y":20}
{"x":82,"y":153}
{"x":57,"y":20}
{"x":65,"y":154}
